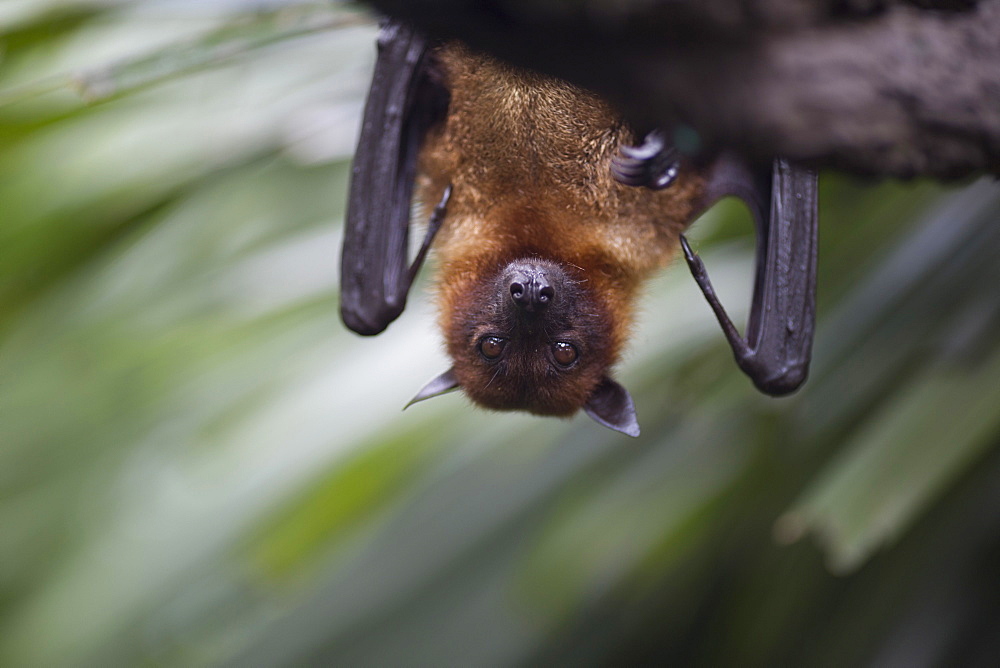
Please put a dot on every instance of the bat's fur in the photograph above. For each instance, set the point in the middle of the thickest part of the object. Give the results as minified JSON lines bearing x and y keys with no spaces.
{"x":528,"y":158}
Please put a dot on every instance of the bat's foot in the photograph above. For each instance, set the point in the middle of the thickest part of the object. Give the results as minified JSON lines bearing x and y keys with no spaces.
{"x":652,"y":164}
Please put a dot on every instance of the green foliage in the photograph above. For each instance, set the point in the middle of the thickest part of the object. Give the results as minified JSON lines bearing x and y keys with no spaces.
{"x":198,"y":464}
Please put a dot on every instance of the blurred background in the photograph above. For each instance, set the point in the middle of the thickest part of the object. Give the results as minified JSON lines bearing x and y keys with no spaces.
{"x":199,"y":465}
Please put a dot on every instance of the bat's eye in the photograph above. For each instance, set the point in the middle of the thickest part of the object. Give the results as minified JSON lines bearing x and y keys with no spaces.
{"x":564,"y":353}
{"x":491,"y":347}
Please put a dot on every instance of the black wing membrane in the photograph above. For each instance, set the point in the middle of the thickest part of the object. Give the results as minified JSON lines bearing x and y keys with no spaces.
{"x":777,"y":348}
{"x":405,"y":100}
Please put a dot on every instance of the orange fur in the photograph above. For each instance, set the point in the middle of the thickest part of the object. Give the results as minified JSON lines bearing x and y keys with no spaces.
{"x":529,"y":161}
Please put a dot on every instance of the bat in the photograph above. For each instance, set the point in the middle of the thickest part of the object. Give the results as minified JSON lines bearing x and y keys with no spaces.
{"x":546,"y":216}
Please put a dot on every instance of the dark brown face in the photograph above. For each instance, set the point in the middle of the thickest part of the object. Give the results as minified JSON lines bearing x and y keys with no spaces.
{"x":530,"y":338}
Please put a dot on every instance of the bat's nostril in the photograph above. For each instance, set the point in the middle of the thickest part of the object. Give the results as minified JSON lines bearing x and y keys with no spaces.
{"x":532,"y":294}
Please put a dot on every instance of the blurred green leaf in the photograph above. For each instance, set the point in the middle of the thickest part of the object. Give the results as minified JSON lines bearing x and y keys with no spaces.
{"x":907,"y":456}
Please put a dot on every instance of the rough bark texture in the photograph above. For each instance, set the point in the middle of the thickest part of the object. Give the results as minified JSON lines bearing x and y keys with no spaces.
{"x":889,"y":87}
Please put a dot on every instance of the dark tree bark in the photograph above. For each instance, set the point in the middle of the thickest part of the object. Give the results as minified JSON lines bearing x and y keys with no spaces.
{"x":887,"y":87}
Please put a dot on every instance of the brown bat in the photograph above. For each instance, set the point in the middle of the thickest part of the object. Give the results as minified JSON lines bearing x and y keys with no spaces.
{"x":548,"y":221}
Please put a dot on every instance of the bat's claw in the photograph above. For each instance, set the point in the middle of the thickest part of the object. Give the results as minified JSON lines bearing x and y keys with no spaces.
{"x":652,"y":164}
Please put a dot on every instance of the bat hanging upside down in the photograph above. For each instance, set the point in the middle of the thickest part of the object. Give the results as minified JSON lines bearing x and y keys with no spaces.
{"x":545,"y":221}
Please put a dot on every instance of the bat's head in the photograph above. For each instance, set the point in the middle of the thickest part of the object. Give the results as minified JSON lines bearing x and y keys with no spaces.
{"x":531,"y":336}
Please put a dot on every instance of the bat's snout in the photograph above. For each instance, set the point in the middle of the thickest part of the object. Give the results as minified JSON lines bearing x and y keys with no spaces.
{"x":531,"y":291}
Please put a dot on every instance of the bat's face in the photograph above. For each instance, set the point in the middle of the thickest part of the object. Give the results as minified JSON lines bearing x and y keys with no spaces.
{"x":530,"y":337}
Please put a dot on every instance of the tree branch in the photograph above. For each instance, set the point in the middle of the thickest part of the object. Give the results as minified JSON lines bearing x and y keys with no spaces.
{"x":874,"y":87}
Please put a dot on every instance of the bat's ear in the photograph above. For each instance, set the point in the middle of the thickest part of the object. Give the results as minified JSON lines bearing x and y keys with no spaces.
{"x":611,"y":405}
{"x":444,"y":383}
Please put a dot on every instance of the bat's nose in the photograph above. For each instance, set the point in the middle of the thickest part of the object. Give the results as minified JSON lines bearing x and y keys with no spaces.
{"x":531,"y":291}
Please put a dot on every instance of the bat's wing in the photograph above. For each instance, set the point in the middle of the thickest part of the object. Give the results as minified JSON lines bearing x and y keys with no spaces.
{"x":405,"y":100}
{"x":776,"y":350}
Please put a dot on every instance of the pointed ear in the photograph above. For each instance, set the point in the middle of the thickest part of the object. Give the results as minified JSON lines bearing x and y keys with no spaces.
{"x":444,"y":383}
{"x":611,"y":405}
